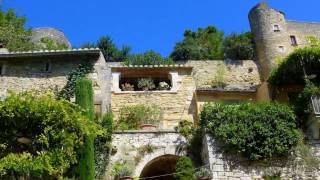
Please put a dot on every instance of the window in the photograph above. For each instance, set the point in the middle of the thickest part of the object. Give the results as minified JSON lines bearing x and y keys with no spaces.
{"x":2,"y":68}
{"x":293,"y":41}
{"x":47,"y":67}
{"x":316,"y":104}
{"x":276,"y":28}
{"x":281,"y":49}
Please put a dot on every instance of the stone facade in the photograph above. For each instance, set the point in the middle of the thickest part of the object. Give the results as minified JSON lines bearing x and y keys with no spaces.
{"x":127,"y":146}
{"x":229,"y":167}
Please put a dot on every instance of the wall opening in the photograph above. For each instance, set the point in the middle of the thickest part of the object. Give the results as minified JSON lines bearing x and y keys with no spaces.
{"x":161,"y":168}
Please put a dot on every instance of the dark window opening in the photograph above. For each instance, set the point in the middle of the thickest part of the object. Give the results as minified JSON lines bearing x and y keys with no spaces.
{"x":48,"y":67}
{"x":276,"y":28}
{"x":132,"y":84}
{"x":1,"y":69}
{"x":293,"y":41}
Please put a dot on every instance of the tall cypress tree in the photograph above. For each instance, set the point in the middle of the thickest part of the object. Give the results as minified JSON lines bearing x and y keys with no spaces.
{"x":84,"y":98}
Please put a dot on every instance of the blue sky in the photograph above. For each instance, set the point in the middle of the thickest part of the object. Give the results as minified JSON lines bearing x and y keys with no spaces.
{"x":148,"y":24}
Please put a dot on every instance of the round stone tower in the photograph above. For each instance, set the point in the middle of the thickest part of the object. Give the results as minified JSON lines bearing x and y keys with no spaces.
{"x":270,"y":35}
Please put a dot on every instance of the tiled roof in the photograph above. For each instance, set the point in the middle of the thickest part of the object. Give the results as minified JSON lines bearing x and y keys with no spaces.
{"x":48,"y":52}
{"x":152,"y":66}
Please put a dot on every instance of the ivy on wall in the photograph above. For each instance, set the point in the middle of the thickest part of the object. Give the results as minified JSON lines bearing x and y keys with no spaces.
{"x":68,"y":91}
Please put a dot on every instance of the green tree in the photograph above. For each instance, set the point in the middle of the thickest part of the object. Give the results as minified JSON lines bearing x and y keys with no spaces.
{"x":147,"y":58}
{"x":202,"y":44}
{"x":239,"y":46}
{"x":13,"y":32}
{"x":184,"y":169}
{"x":84,"y":98}
{"x":110,"y":51}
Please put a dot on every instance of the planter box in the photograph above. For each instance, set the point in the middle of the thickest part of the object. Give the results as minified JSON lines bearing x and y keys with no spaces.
{"x":148,"y":127}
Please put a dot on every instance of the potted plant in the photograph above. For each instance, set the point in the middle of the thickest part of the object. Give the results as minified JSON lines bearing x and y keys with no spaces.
{"x":127,"y":87}
{"x":148,"y":125}
{"x":146,"y":84}
{"x":152,"y":116}
{"x":163,"y":86}
{"x":203,"y":174}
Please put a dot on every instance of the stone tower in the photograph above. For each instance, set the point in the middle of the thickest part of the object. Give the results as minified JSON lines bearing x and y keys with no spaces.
{"x":270,"y":35}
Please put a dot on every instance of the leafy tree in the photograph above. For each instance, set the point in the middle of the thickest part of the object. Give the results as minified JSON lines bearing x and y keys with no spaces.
{"x":84,"y":98}
{"x":257,"y":131}
{"x":184,"y":169}
{"x":147,"y":58}
{"x":239,"y":46}
{"x":13,"y":32}
{"x":202,"y":44}
{"x":40,"y":136}
{"x":110,"y":51}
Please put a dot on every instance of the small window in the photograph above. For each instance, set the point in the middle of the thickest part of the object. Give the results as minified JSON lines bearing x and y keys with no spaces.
{"x":293,"y":41}
{"x":47,"y":67}
{"x":2,"y":70}
{"x":316,"y":104}
{"x":276,"y":28}
{"x":281,"y":49}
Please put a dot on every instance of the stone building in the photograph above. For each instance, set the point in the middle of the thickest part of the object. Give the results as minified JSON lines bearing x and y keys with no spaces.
{"x":191,"y":84}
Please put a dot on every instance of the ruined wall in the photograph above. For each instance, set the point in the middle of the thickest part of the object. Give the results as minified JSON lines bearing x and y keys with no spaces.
{"x":227,"y":166}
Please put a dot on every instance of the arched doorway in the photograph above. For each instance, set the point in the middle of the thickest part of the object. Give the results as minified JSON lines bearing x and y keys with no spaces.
{"x":160,"y":166}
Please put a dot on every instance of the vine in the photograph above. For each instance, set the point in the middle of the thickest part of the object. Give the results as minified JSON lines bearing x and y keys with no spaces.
{"x":68,"y":91}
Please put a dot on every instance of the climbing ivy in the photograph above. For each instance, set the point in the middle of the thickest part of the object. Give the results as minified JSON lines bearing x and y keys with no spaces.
{"x":68,"y":90}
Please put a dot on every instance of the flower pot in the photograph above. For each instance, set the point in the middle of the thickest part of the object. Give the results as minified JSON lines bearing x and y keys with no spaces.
{"x":126,"y":178}
{"x":148,"y":127}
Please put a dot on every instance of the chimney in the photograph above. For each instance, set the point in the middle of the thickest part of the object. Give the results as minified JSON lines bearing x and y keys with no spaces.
{"x":3,"y":49}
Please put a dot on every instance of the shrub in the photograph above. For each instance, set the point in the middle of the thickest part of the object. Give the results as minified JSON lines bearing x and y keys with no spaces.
{"x":55,"y":130}
{"x":121,"y":169}
{"x":131,"y":117}
{"x":184,"y":169}
{"x":203,"y":173}
{"x":84,"y":98}
{"x":146,"y":84}
{"x":258,"y":131}
{"x":239,"y":46}
{"x":147,"y":58}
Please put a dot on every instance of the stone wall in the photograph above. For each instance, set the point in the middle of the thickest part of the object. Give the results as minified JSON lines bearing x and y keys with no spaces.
{"x":241,"y":72}
{"x":128,"y":143}
{"x":176,"y":106}
{"x":230,"y":167}
{"x":29,"y":74}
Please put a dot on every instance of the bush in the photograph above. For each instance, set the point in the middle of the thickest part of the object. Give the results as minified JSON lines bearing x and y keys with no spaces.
{"x":258,"y":131}
{"x":184,"y":169}
{"x":52,"y":130}
{"x":131,"y":117}
{"x":290,"y":71}
{"x":147,"y":58}
{"x":84,"y":98}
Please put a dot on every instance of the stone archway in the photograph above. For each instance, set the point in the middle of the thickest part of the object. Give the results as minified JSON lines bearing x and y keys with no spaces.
{"x":160,"y":166}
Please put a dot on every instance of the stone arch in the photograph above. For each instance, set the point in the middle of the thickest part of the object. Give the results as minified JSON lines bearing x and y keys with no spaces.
{"x":161,"y":165}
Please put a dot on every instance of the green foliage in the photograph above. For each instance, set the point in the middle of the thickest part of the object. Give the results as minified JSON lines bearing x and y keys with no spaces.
{"x":203,"y":173}
{"x":186,"y":129}
{"x":84,"y":98}
{"x":219,"y":79}
{"x":302,"y":105}
{"x":13,"y":32}
{"x":110,"y":51}
{"x":121,"y":169}
{"x":103,"y":144}
{"x":147,"y":58}
{"x":67,"y":92}
{"x":131,"y":117}
{"x":184,"y":169}
{"x":51,"y":44}
{"x":291,"y":70}
{"x":53,"y":131}
{"x":239,"y":46}
{"x":146,"y":84}
{"x":257,"y":131}
{"x":203,"y":44}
